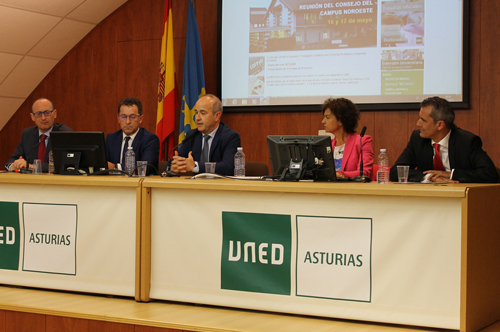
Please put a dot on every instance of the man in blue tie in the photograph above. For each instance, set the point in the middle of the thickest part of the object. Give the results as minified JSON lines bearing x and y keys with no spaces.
{"x":35,"y":140}
{"x":146,"y":145}
{"x":211,"y":141}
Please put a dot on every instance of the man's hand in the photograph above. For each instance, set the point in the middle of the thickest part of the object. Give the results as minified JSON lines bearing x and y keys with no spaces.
{"x":440,"y":176}
{"x":181,"y":164}
{"x":18,"y":164}
{"x":111,"y":165}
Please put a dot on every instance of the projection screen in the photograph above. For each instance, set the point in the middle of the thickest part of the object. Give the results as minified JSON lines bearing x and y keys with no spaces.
{"x":278,"y":55}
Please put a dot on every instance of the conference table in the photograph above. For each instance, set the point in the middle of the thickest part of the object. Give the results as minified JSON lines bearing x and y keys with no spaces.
{"x":76,"y":233}
{"x":412,"y":254}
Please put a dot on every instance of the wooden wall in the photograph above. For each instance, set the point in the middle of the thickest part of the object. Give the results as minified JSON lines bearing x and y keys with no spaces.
{"x":14,"y":321}
{"x":120,"y":58}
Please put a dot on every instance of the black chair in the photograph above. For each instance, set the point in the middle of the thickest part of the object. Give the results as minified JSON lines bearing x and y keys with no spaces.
{"x":256,"y":168}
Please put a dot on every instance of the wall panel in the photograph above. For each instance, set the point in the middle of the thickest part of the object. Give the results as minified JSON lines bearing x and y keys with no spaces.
{"x":59,"y":324}
{"x":24,"y":322}
{"x":490,"y":76}
{"x":2,"y":320}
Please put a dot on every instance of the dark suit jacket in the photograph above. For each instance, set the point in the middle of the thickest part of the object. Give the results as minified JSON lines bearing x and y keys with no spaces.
{"x":222,"y":150}
{"x":146,"y":147}
{"x":28,"y":147}
{"x":467,"y":158}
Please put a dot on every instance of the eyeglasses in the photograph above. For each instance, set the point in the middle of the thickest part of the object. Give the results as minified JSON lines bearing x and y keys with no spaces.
{"x":132,"y":117}
{"x":39,"y":114}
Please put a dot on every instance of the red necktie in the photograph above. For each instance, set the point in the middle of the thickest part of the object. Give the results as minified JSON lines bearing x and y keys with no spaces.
{"x":438,"y":163}
{"x":42,"y":147}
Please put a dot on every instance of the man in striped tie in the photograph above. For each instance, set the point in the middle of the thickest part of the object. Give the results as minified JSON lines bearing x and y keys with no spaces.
{"x":439,"y":151}
{"x":35,"y":140}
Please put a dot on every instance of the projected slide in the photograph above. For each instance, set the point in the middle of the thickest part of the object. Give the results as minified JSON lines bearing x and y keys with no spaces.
{"x":300,"y":52}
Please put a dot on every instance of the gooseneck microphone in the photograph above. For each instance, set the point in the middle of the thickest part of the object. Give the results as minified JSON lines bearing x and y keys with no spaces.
{"x":27,"y":169}
{"x":189,"y":137}
{"x":361,"y":177}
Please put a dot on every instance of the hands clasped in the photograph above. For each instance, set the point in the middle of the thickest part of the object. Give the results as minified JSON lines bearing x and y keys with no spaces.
{"x":182,"y":164}
{"x":439,"y":176}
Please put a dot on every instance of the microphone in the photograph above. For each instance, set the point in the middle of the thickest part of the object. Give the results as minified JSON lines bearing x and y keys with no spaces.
{"x":27,"y":169}
{"x":361,"y":177}
{"x":188,"y":137}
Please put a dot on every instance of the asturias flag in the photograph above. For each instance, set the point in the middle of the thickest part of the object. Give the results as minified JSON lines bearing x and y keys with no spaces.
{"x":194,"y":78}
{"x":167,"y":87}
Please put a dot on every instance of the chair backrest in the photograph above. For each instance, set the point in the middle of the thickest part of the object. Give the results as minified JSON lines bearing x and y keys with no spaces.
{"x":256,"y":168}
{"x":161,"y":165}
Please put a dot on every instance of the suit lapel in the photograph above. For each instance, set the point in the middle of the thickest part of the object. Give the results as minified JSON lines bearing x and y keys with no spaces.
{"x":137,"y":141}
{"x":215,"y":140}
{"x":349,"y":147}
{"x":451,"y":148}
{"x":197,"y":146}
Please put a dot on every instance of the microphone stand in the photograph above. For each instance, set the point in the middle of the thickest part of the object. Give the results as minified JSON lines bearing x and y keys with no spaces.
{"x":27,"y":170}
{"x":361,"y":177}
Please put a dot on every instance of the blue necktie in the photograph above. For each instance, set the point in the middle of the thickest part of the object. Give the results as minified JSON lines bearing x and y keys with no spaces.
{"x":125,"y":147}
{"x":206,"y":149}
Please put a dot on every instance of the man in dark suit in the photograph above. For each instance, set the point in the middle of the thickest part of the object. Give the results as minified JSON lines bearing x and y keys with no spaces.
{"x":212,"y":141}
{"x":35,"y":141}
{"x":146,"y":145}
{"x":440,"y":152}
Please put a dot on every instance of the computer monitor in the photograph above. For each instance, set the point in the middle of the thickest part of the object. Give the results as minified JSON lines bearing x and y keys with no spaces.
{"x":76,"y":152}
{"x":295,"y":158}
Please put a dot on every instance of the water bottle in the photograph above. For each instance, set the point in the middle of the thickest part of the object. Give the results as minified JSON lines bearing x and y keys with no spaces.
{"x":51,"y":163}
{"x":239,"y":163}
{"x":383,"y":167}
{"x":129,"y":161}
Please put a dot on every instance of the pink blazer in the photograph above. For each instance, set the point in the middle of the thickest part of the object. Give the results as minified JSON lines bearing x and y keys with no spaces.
{"x":350,"y":160}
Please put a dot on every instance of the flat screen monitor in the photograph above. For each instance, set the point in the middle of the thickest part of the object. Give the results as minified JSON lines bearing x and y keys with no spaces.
{"x":78,"y":152}
{"x":295,"y":158}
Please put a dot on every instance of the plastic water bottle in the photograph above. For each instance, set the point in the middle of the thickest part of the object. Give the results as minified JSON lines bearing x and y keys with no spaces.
{"x":51,"y":163}
{"x":129,"y":161}
{"x":239,"y":163}
{"x":383,"y":167}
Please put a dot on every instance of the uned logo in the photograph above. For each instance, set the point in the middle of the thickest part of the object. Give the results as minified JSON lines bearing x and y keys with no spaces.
{"x":9,"y":235}
{"x":256,"y":252}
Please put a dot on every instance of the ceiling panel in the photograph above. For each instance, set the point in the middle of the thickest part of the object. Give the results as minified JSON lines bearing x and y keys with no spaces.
{"x":8,"y":62}
{"x":21,"y":30}
{"x":26,"y":76}
{"x":35,"y":35}
{"x":59,"y":8}
{"x":94,"y":11}
{"x":61,"y":39}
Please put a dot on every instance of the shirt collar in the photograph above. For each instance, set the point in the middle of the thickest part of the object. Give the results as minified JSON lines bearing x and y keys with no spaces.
{"x":212,"y":134}
{"x":45,"y":133}
{"x":131,"y":136}
{"x":444,"y":142}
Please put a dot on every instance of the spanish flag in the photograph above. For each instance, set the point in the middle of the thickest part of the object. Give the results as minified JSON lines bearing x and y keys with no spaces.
{"x":167,"y":87}
{"x":194,"y":77}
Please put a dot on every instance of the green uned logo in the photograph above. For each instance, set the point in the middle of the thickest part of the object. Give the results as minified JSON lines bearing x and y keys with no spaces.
{"x":256,"y":252}
{"x":9,"y":235}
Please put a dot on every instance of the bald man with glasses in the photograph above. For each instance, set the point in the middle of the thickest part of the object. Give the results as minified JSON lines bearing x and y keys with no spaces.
{"x":35,"y":140}
{"x":146,"y":145}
